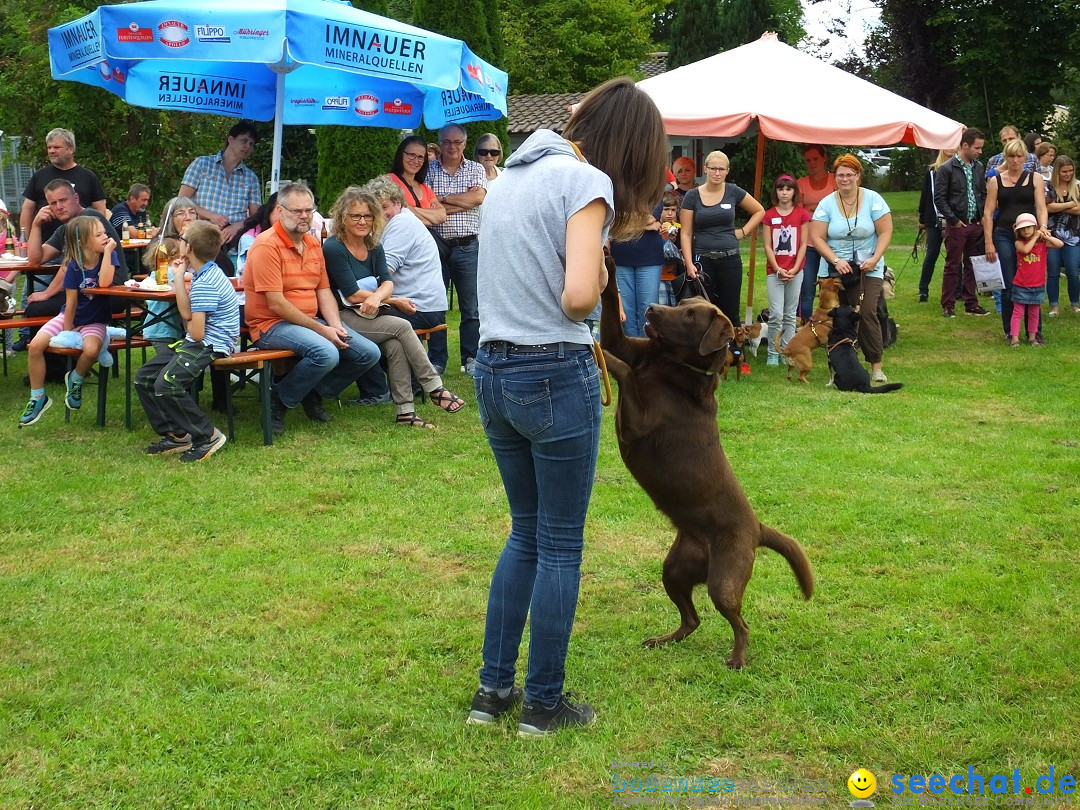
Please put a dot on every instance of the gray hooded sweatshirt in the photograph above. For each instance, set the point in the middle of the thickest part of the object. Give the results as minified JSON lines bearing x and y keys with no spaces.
{"x":522,"y":259}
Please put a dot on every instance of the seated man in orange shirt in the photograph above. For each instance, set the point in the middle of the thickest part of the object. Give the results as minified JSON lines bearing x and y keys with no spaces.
{"x":290,"y":306}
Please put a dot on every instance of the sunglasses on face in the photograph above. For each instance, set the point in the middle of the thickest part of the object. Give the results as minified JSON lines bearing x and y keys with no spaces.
{"x":488,"y":152}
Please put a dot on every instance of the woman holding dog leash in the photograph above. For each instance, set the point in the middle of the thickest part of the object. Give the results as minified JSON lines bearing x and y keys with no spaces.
{"x":541,"y":270}
{"x":851,"y":229}
{"x":710,"y":240}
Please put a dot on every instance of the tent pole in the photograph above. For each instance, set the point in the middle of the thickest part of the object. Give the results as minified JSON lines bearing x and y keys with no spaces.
{"x":279,"y":113}
{"x":758,"y":171}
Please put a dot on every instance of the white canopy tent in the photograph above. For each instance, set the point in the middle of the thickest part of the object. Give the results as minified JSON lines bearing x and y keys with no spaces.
{"x":792,"y":97}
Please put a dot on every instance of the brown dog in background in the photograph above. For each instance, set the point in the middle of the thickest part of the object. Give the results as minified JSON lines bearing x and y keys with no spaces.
{"x":668,"y":437}
{"x":814,"y":334}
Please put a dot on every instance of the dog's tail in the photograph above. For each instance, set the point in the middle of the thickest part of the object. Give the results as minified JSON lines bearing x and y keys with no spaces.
{"x":789,"y":548}
{"x":884,"y":389}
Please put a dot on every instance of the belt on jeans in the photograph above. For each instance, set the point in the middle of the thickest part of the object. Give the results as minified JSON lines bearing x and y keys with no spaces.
{"x":517,"y":348}
{"x":719,"y":254}
{"x":461,"y":241}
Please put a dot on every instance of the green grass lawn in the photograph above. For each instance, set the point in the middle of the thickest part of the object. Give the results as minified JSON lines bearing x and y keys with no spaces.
{"x":300,"y":626}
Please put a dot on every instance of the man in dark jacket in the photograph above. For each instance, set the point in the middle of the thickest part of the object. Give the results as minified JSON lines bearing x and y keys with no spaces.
{"x":960,"y":194}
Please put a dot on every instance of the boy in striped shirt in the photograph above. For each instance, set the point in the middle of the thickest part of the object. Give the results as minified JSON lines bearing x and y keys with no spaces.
{"x":211,"y":317}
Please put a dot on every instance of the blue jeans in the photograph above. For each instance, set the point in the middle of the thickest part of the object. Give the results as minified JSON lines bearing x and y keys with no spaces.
{"x":541,"y":414}
{"x":463,"y":274}
{"x":1069,"y":258}
{"x":809,"y":283}
{"x":323,"y":367}
{"x":640,"y":288}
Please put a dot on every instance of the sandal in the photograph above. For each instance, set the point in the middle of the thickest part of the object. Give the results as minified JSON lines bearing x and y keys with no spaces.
{"x":412,"y":420}
{"x":447,"y":401}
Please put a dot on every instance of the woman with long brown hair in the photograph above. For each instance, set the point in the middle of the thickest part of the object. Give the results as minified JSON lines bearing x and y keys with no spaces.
{"x":541,"y":270}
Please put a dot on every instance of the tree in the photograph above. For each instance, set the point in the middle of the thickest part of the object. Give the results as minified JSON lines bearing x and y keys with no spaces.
{"x":743,"y":21}
{"x":694,"y":32}
{"x":567,"y":46}
{"x":964,"y":60}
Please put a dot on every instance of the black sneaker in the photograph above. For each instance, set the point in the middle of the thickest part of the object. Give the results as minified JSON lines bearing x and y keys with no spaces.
{"x":976,"y":311}
{"x":948,"y":313}
{"x":923,"y":298}
{"x":201,"y":452}
{"x":277,"y":414}
{"x":538,"y":720}
{"x":169,"y":444}
{"x":313,"y":407}
{"x":487,"y":706}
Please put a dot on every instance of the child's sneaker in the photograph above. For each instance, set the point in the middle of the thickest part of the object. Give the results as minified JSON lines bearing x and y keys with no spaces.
{"x":538,"y":720}
{"x":73,"y":398}
{"x":34,"y":409}
{"x":487,"y":706}
{"x":169,"y":444}
{"x":201,"y":452}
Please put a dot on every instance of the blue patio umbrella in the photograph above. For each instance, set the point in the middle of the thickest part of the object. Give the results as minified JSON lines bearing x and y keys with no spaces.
{"x":290,"y":61}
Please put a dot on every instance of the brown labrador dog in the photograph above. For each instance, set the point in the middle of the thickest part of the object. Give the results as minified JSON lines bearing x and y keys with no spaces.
{"x":814,"y":334}
{"x":669,"y":440}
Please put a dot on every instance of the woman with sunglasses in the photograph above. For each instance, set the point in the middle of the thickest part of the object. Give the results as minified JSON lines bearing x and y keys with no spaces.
{"x":487,"y":153}
{"x":409,"y":171}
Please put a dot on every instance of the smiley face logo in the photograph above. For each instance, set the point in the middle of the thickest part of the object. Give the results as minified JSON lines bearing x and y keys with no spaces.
{"x":862,"y":784}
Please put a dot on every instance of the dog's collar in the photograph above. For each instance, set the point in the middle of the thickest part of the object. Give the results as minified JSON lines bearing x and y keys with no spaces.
{"x":829,"y":349}
{"x":706,"y":372}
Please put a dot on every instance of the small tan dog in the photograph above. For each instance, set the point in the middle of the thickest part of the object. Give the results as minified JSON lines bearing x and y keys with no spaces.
{"x":814,"y":334}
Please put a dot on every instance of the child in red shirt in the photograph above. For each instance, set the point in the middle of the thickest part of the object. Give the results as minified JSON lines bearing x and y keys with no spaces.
{"x":1029,"y":283}
{"x":785,"y":240}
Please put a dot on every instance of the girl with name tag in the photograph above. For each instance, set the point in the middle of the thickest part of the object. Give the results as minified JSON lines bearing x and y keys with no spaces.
{"x":785,"y":240}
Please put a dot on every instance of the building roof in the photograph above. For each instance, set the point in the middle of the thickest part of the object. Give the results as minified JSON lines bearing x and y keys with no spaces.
{"x":654,"y":65}
{"x":528,"y":113}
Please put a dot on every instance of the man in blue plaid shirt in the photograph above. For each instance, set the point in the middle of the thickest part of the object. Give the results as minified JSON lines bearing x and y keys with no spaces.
{"x":461,"y":186}
{"x":225,"y":191}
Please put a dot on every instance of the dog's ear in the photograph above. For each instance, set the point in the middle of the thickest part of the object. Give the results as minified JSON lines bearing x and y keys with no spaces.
{"x":718,"y":335}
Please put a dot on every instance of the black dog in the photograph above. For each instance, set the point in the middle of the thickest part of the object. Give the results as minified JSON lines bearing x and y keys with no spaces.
{"x":848,"y":372}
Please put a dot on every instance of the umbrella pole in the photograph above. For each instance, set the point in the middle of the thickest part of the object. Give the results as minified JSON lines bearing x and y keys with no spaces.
{"x":759,"y":168}
{"x":279,"y":113}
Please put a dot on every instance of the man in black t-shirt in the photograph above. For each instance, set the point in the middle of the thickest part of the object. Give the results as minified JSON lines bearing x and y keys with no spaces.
{"x":62,"y":166}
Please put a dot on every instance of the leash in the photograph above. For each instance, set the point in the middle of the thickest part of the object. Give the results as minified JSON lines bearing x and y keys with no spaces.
{"x":601,"y":363}
{"x":912,"y":255}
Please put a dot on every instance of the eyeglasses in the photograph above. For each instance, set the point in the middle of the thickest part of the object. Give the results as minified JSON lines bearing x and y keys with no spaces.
{"x":415,"y":155}
{"x":488,"y":152}
{"x":299,"y":212}
{"x":453,"y":143}
{"x":716,"y":168}
{"x":358,"y":218}
{"x":182,"y":239}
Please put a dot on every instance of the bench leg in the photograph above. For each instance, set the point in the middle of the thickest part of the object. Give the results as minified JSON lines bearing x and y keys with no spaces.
{"x":102,"y":394}
{"x":229,"y":415}
{"x":265,"y":375}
